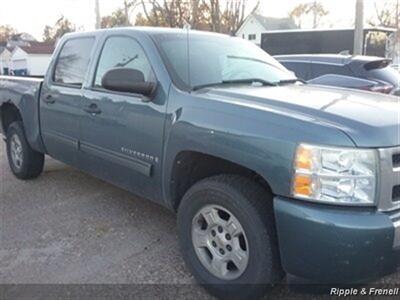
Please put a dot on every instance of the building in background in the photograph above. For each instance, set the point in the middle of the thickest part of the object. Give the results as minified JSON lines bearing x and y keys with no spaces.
{"x":20,"y":39}
{"x":325,"y":41}
{"x":22,"y":55}
{"x":32,"y":59}
{"x":255,"y":24}
{"x":5,"y":58}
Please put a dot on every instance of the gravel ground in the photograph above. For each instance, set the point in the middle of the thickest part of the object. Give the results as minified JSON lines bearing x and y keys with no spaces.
{"x":69,"y":228}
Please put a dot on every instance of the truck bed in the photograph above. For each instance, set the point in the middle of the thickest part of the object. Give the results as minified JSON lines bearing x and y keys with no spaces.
{"x":24,"y":93}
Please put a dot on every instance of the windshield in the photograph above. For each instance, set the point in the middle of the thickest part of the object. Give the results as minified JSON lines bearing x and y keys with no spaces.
{"x":217,"y":59}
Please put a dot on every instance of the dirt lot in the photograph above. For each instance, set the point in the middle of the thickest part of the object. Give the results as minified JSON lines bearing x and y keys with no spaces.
{"x":69,"y":228}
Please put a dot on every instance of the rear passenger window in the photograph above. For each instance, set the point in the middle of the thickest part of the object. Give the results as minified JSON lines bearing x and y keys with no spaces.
{"x":73,"y":62}
{"x":122,"y":52}
{"x":325,"y":69}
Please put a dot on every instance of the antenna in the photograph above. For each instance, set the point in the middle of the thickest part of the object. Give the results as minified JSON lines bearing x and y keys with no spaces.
{"x":187,"y":27}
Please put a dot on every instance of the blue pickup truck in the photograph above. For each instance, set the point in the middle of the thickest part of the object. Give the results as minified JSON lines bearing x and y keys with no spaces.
{"x":268,"y":176}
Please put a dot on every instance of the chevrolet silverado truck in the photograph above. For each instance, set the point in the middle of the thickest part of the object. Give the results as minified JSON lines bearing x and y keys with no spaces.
{"x":268,"y":176}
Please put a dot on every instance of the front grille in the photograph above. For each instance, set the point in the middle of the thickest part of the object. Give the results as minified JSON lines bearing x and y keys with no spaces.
{"x":389,"y":195}
{"x":396,"y":193}
{"x":396,"y":160}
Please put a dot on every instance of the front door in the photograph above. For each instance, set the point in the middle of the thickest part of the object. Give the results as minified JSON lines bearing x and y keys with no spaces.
{"x":61,"y":100}
{"x":122,"y":135}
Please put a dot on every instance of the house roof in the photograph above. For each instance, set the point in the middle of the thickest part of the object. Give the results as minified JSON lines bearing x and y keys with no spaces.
{"x":23,"y":36}
{"x":275,"y":23}
{"x":39,"y":48}
{"x":3,"y":46}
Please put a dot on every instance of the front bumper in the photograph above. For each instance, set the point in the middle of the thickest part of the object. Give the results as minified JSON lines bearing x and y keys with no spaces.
{"x":328,"y":244}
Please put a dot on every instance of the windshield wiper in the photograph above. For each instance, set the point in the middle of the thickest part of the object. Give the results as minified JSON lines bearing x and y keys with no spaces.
{"x":289,"y":81}
{"x":236,"y":81}
{"x":250,"y":80}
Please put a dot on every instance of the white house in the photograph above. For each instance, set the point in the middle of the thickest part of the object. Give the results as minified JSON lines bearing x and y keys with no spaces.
{"x":255,"y":25}
{"x":32,"y":59}
{"x":5,"y":58}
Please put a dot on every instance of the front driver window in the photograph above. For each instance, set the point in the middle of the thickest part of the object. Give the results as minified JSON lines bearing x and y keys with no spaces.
{"x":122,"y":52}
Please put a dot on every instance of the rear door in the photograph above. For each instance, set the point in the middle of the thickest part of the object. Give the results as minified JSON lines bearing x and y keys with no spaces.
{"x":61,"y":99}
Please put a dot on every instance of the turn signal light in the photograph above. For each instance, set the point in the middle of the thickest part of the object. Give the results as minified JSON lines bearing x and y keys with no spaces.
{"x":302,"y":185}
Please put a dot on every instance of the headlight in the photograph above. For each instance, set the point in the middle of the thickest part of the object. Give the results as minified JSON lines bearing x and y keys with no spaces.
{"x":335,"y":175}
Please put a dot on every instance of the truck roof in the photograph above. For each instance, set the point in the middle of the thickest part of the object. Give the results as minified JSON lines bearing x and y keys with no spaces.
{"x":147,"y":30}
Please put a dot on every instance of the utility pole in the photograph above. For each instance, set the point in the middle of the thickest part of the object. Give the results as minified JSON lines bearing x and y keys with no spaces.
{"x":97,"y":12}
{"x":126,"y":10}
{"x":359,"y":28}
{"x":398,"y":17}
{"x":396,"y":58}
{"x":315,"y":13}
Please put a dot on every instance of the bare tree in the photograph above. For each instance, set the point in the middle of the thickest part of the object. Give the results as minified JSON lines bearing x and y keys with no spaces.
{"x":195,"y":13}
{"x":318,"y":11}
{"x":216,"y":15}
{"x":116,"y":19}
{"x":315,"y":8}
{"x":61,"y":27}
{"x":233,"y":16}
{"x":387,"y":14}
{"x":129,"y":7}
{"x":6,"y":32}
{"x":298,"y":13}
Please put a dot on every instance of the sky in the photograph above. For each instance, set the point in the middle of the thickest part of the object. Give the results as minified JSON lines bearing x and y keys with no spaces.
{"x":32,"y":16}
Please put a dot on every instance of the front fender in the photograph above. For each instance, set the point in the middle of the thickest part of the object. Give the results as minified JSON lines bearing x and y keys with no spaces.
{"x":262,"y":141}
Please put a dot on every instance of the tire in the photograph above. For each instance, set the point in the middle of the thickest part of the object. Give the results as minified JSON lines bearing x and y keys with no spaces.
{"x":249,"y":204}
{"x":27,"y":163}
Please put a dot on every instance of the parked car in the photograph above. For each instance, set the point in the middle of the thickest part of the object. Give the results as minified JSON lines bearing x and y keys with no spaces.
{"x":359,"y":72}
{"x":268,"y":176}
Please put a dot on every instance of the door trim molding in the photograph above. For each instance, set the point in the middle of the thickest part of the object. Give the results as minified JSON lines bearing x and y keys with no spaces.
{"x":140,"y":166}
{"x":66,"y":140}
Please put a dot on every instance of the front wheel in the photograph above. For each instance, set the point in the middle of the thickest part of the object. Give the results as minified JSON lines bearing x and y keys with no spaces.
{"x":227,"y":236}
{"x":25,"y":163}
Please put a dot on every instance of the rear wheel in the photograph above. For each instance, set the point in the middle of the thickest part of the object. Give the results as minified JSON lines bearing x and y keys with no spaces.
{"x":25,"y":163}
{"x":227,"y":236}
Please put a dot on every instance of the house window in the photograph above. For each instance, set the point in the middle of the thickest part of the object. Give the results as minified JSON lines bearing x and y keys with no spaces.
{"x":252,"y":37}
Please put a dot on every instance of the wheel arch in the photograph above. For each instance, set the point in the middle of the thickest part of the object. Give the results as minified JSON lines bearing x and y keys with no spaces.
{"x":9,"y":113}
{"x":190,"y":167}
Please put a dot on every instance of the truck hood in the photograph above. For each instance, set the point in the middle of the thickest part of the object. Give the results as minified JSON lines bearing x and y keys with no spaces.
{"x":369,"y":119}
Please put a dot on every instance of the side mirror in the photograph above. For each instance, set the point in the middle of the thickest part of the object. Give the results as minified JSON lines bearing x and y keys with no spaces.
{"x":128,"y":81}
